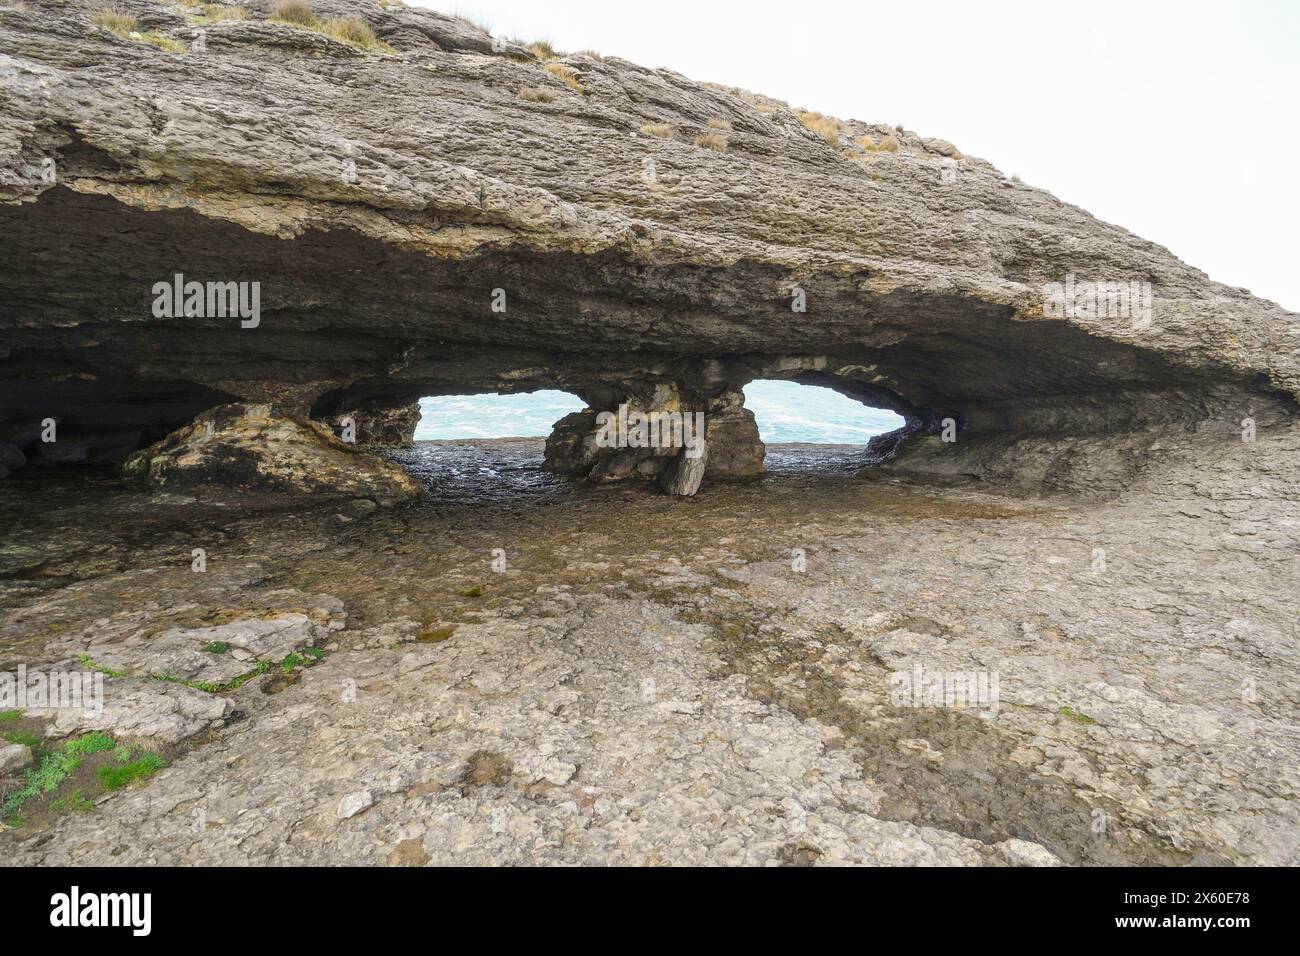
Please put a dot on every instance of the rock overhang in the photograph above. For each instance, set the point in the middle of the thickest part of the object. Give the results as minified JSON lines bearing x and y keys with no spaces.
{"x":382,"y":201}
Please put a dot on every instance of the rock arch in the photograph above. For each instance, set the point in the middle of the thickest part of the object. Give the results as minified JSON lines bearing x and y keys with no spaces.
{"x":380,"y":255}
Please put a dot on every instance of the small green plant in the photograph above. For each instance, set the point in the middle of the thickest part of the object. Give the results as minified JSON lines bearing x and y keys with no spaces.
{"x":76,"y":801}
{"x":141,"y":768}
{"x":10,"y":715}
{"x":90,"y":665}
{"x":565,"y":75}
{"x":827,"y":127}
{"x":315,"y":653}
{"x":23,"y":737}
{"x":473,"y":592}
{"x":216,"y":647}
{"x":1076,"y":715}
{"x":210,"y":688}
{"x":535,"y":94}
{"x":54,"y":768}
{"x":661,"y":130}
{"x":290,"y":662}
{"x":712,"y":140}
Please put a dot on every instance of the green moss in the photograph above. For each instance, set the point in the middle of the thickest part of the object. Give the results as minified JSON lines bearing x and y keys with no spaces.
{"x":473,"y":592}
{"x":436,"y":635}
{"x":216,"y":647}
{"x":10,"y":715}
{"x":1076,"y":715}
{"x":91,"y":665}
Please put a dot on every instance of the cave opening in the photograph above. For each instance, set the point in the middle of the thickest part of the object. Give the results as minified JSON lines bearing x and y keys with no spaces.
{"x":493,"y":416}
{"x":485,"y":446}
{"x":809,"y":427}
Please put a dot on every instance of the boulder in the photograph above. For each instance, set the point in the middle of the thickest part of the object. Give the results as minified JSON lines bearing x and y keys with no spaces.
{"x":254,"y":447}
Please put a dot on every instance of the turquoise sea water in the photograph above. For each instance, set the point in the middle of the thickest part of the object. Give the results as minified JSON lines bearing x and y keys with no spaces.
{"x":786,"y":412}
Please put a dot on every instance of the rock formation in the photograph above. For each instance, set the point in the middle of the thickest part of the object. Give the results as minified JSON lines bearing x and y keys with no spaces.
{"x":524,"y":669}
{"x":252,"y":447}
{"x":445,"y":213}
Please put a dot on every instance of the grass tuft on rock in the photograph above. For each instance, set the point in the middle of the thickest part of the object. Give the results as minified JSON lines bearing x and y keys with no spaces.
{"x":827,"y":127}
{"x":136,"y":769}
{"x":535,"y":94}
{"x":87,"y":662}
{"x":712,"y":140}
{"x":566,"y":75}
{"x":357,"y":32}
{"x":543,"y":50}
{"x":114,"y":20}
{"x":661,"y":130}
{"x":217,"y":12}
{"x":297,"y":13}
{"x":24,"y":737}
{"x":349,"y":30}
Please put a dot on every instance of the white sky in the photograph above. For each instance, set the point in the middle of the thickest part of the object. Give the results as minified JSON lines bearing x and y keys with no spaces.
{"x":1177,"y":120}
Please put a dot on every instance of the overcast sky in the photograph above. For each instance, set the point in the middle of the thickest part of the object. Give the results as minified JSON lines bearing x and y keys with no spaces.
{"x":1177,"y":120}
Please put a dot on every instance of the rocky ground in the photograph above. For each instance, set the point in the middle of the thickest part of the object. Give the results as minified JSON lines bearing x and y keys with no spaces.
{"x":523,"y":669}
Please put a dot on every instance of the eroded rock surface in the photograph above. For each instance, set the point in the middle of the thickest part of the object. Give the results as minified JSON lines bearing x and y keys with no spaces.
{"x":558,"y":672}
{"x":253,"y":447}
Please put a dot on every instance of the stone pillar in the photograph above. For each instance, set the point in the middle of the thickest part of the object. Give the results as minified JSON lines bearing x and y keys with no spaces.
{"x":638,"y":431}
{"x":579,"y":446}
{"x":735,"y":450}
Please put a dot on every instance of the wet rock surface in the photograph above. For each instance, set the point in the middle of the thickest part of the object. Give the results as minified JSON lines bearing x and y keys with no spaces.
{"x":524,"y":668}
